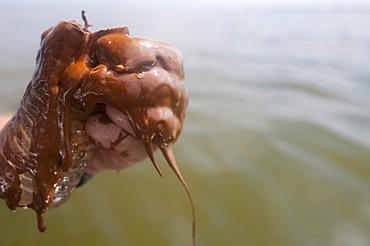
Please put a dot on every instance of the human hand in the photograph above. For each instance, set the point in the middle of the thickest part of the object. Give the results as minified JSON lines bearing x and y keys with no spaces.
{"x":118,"y":146}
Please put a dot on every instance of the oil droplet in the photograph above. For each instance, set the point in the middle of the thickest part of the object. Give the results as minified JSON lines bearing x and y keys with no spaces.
{"x":121,"y":68}
{"x":81,"y":155}
{"x":139,"y":75}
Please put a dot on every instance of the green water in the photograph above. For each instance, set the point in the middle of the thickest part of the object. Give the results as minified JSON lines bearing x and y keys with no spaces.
{"x":276,"y":143}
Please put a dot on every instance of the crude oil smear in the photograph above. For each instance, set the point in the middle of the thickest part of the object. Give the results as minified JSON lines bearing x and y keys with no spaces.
{"x":45,"y":149}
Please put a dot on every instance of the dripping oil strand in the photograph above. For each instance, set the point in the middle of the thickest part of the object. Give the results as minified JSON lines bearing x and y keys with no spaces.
{"x":149,"y":150}
{"x":41,"y":222}
{"x":170,"y":157}
{"x":146,"y":137}
{"x":167,"y":151}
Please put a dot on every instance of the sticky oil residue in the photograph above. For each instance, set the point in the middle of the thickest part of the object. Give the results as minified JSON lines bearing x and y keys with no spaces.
{"x":45,"y":148}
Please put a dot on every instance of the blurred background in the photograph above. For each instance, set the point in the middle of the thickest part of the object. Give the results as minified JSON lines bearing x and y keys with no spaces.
{"x":276,"y":142}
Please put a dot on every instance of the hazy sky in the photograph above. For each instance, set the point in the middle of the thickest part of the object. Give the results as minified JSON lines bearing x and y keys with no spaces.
{"x":216,"y":3}
{"x":274,"y":3}
{"x":197,"y":4}
{"x":283,"y":2}
{"x":257,"y":3}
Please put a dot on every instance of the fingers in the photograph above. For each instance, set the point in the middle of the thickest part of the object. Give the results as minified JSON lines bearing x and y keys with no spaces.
{"x":119,"y":119}
{"x":104,"y":132}
{"x":117,"y":148}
